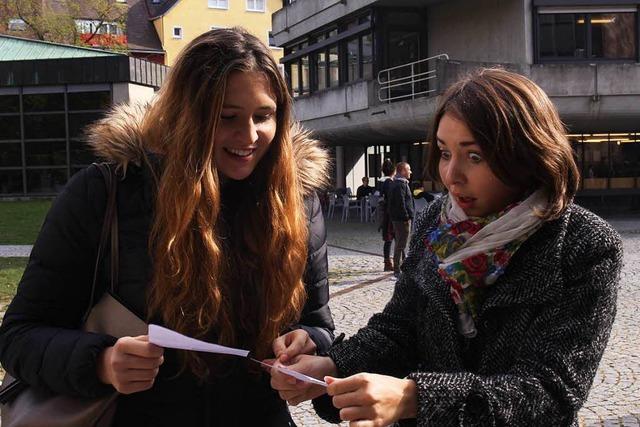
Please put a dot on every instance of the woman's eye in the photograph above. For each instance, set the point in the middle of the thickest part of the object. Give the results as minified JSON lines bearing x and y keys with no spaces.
{"x":475,"y":157}
{"x":227,"y":117}
{"x":445,"y":155}
{"x":263,"y":118}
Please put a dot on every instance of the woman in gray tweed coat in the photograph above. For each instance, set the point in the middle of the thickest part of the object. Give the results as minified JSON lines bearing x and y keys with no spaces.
{"x":506,"y":300}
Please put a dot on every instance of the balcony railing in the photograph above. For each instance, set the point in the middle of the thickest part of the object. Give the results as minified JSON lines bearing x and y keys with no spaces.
{"x":409,"y":81}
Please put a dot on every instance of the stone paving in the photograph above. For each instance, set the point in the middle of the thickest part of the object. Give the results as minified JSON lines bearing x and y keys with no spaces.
{"x":359,"y":289}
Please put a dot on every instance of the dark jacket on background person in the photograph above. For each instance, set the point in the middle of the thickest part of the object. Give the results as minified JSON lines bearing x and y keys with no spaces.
{"x":542,"y":330}
{"x":400,"y":203}
{"x":39,"y":339}
{"x":363,"y":191}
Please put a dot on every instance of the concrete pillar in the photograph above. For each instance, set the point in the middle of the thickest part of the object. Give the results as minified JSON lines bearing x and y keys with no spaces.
{"x":340,"y":182}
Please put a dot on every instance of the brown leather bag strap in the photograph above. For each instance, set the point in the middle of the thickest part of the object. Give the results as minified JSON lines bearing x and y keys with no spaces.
{"x":109,"y":227}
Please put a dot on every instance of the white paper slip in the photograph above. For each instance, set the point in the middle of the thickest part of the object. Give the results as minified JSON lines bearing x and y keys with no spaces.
{"x":294,"y":374}
{"x":164,"y":337}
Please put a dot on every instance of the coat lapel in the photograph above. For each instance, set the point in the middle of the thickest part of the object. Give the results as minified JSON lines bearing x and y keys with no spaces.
{"x":533,"y":275}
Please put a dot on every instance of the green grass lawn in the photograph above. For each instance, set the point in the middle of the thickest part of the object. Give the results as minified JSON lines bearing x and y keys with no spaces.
{"x":20,"y":221}
{"x":10,"y":273}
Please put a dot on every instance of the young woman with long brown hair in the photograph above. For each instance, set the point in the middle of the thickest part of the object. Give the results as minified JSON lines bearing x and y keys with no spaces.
{"x":506,"y":300}
{"x":221,"y":238}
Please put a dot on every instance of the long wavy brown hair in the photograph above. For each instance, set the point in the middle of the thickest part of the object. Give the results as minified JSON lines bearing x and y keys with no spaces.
{"x":242,"y":284}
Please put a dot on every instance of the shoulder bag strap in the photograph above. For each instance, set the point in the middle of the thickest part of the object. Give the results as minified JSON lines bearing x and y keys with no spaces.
{"x":109,"y":227}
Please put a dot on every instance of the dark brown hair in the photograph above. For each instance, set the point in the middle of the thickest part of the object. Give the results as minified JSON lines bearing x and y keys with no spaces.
{"x":519,"y":131}
{"x":247,"y":297}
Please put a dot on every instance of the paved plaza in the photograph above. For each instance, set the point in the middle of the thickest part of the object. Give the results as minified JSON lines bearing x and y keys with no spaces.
{"x":359,"y":288}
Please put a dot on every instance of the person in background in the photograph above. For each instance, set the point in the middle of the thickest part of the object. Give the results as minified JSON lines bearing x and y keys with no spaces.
{"x":401,"y":208}
{"x":364,"y":190}
{"x":508,"y":295}
{"x":384,"y":222}
{"x":221,"y":238}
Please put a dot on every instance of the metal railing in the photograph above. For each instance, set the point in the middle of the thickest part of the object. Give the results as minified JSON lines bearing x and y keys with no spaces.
{"x":408,"y":80}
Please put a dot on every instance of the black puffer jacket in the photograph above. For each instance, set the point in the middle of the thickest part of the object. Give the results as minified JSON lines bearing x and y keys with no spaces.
{"x":39,"y":339}
{"x":542,"y":330}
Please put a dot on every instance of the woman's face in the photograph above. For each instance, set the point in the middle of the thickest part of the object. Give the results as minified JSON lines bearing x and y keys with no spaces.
{"x":247,"y":124}
{"x":465,"y":172}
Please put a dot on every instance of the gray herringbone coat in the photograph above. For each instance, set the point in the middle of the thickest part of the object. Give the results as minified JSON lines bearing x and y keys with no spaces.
{"x":541,"y":330}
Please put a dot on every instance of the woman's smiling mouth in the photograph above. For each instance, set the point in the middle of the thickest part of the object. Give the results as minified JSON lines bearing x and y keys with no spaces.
{"x":240,"y":152}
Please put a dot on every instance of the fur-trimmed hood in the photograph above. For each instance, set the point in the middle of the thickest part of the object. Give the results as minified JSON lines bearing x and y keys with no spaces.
{"x":117,"y":138}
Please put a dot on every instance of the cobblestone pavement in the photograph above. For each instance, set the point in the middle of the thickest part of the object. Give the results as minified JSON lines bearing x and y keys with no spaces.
{"x":614,"y":399}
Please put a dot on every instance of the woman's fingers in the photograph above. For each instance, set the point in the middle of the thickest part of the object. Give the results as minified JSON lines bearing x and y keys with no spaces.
{"x":131,"y":365}
{"x":292,"y":344}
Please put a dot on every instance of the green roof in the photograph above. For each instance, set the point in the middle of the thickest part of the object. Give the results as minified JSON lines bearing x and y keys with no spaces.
{"x":18,"y":49}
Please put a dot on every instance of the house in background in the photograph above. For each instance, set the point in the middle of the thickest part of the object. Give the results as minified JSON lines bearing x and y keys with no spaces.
{"x":48,"y":93}
{"x":177,"y":22}
{"x":156,"y":30}
{"x":366,"y":76}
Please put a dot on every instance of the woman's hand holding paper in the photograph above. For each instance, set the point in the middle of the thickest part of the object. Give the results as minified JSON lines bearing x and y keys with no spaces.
{"x":131,"y":365}
{"x":295,"y":391}
{"x":293,"y":343}
{"x":368,"y":400}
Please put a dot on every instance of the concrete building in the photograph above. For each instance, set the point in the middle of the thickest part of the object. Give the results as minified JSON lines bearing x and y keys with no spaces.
{"x":48,"y":94}
{"x":366,"y":74}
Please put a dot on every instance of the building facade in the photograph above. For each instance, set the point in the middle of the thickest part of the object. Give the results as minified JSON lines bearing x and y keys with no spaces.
{"x":48,"y":94}
{"x":154,"y":30}
{"x":177,"y":22}
{"x":366,"y":75}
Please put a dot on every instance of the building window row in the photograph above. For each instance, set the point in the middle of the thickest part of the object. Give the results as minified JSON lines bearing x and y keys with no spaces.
{"x":348,"y":59}
{"x":587,"y":34}
{"x":251,"y":5}
{"x":89,"y":26}
{"x":41,"y":138}
{"x":608,"y":160}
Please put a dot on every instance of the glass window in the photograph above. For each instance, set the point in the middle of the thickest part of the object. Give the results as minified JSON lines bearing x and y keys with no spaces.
{"x":46,"y":153}
{"x":9,"y":104}
{"x":334,"y":67}
{"x":219,"y":4}
{"x":562,"y":36}
{"x":89,"y":100}
{"x":41,"y":126}
{"x":10,"y":181}
{"x":295,"y":79}
{"x":10,"y":155}
{"x":38,"y":102}
{"x":46,"y":180}
{"x":625,"y":155}
{"x":78,"y":121}
{"x":9,"y":127}
{"x":321,"y":70}
{"x":365,"y":18}
{"x":587,"y":35}
{"x":305,"y":74}
{"x":16,"y":24}
{"x":353,"y":60}
{"x":367,"y":56}
{"x":613,"y":35}
{"x":255,"y":5}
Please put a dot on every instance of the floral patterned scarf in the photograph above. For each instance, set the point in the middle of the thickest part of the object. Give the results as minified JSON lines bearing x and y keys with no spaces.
{"x":473,"y":252}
